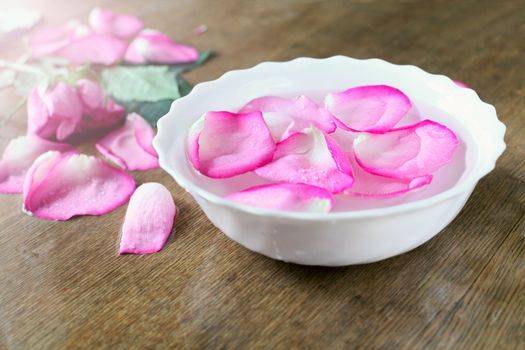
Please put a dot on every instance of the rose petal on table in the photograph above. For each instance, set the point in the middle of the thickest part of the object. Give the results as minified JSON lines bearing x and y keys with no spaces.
{"x":59,"y":186}
{"x":54,"y":113}
{"x":375,"y":186}
{"x":38,"y":171}
{"x":18,"y":156}
{"x":310,"y":157}
{"x":149,"y":220}
{"x":230,"y":144}
{"x":286,"y":197}
{"x":47,"y":41}
{"x":407,"y":152}
{"x":285,"y":116}
{"x":116,"y":24}
{"x":373,"y":108}
{"x":144,"y":134}
{"x":151,"y":46}
{"x":100,"y":111}
{"x":94,"y":48}
{"x":124,"y":149}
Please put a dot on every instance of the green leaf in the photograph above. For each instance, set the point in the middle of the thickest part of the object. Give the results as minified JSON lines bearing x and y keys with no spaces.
{"x":184,"y":86}
{"x":151,"y":111}
{"x":140,"y":83}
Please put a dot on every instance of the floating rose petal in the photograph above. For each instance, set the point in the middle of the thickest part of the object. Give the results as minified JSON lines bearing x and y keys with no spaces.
{"x":310,"y":157}
{"x":149,"y":220}
{"x":60,"y":186}
{"x":230,"y":144}
{"x":18,"y":156}
{"x":373,"y":108}
{"x":55,"y":113}
{"x":461,"y":84}
{"x":100,"y":111}
{"x":370,"y":185}
{"x":94,"y":48}
{"x":286,"y":116}
{"x":193,"y":142}
{"x":287,"y":197}
{"x":48,"y":41}
{"x":155,"y":47}
{"x":408,"y":152}
{"x":123,"y":147}
{"x":115,"y":24}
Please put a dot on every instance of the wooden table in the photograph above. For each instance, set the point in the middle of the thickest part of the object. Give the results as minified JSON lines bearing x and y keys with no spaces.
{"x":63,"y":285}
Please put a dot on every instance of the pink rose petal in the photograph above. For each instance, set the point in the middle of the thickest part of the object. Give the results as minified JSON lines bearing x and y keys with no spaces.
{"x":49,"y":40}
{"x":230,"y":144}
{"x":60,"y":186}
{"x":373,"y":108}
{"x":100,"y":111}
{"x":55,"y":113}
{"x":408,"y":152}
{"x":461,"y":84}
{"x":310,"y":157}
{"x":144,"y":134}
{"x":151,"y":46}
{"x":286,"y":197}
{"x":149,"y":220}
{"x":193,"y":142}
{"x":39,"y":170}
{"x":122,"y":146}
{"x":115,"y":24}
{"x":18,"y":156}
{"x":375,"y":186}
{"x":94,"y":48}
{"x":287,"y":116}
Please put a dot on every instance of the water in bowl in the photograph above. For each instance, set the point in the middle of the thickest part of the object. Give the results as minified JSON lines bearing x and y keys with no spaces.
{"x":443,"y":179}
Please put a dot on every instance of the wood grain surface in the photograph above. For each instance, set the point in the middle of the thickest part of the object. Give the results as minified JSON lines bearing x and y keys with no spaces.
{"x":63,"y":285}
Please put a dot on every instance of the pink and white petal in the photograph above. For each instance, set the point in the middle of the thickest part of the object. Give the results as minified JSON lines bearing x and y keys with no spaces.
{"x":122,"y":147}
{"x":156,"y":47}
{"x":47,"y":41}
{"x":286,"y":116}
{"x":55,"y":113}
{"x":231,"y":144}
{"x":38,"y":115}
{"x":312,"y":158}
{"x":286,"y":197}
{"x":18,"y":156}
{"x":144,"y":134}
{"x":37,"y":172}
{"x":407,"y":152}
{"x":193,"y":142}
{"x":461,"y":84}
{"x":117,"y":24}
{"x":149,"y":220}
{"x":100,"y":111}
{"x":373,"y":108}
{"x":375,"y":186}
{"x":66,"y":185}
{"x":94,"y":48}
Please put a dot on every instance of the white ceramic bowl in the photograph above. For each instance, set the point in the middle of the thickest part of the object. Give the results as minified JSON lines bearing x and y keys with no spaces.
{"x":348,"y":237}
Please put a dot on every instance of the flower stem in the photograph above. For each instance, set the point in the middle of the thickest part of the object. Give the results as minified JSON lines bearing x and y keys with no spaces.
{"x":21,"y":67}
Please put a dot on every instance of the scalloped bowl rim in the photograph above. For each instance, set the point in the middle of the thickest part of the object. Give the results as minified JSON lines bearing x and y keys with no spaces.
{"x":481,"y":169}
